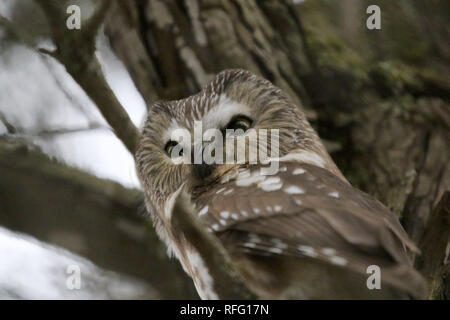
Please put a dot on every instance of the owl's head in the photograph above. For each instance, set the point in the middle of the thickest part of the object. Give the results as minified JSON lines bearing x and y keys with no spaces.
{"x":235,"y":100}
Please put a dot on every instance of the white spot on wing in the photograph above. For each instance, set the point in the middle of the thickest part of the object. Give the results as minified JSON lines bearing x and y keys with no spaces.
{"x":298,"y":171}
{"x":334,"y":194}
{"x":244,"y":180}
{"x":225,"y":214}
{"x":275,"y":250}
{"x":271,"y":184}
{"x":307,"y":251}
{"x":338,"y":261}
{"x":203,"y":211}
{"x":294,"y":190}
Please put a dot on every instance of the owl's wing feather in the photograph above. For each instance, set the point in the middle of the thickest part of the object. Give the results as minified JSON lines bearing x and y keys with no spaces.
{"x":305,"y":211}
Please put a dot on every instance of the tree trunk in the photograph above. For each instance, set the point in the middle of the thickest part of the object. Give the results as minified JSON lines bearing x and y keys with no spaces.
{"x":378,"y":98}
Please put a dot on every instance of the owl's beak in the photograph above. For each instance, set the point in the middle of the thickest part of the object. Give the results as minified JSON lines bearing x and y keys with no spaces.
{"x":201,"y":170}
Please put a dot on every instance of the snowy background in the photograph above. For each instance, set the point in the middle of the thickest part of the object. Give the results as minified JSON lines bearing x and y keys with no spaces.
{"x":39,"y":97}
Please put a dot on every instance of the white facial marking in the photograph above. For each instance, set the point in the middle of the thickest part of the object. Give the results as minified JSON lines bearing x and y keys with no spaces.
{"x":234,"y":216}
{"x":219,"y":115}
{"x":256,"y":210}
{"x":277,"y":208}
{"x":298,"y":171}
{"x":223,"y":222}
{"x":203,"y":211}
{"x":244,"y":213}
{"x":171,"y":202}
{"x":215,"y":226}
{"x":293,"y":190}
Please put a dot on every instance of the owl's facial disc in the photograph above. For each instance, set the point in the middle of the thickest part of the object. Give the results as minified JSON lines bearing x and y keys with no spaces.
{"x":237,"y":126}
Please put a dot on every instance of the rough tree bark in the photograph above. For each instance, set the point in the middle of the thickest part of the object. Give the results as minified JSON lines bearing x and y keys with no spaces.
{"x":380,"y":98}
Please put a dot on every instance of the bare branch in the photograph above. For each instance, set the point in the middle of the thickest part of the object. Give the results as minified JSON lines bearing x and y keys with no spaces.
{"x":227,"y":282}
{"x":76,"y":51}
{"x":9,"y":127}
{"x":44,"y":133}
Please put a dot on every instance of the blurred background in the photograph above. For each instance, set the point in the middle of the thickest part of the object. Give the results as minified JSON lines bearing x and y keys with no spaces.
{"x":69,"y":194}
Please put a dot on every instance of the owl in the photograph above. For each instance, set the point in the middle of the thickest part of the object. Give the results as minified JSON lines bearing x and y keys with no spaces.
{"x":300,"y":232}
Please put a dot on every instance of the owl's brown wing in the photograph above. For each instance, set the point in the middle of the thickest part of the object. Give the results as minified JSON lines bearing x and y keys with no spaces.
{"x":305,"y":211}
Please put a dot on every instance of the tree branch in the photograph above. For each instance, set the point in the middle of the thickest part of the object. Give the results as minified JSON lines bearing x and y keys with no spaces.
{"x":75,"y":49}
{"x":43,"y":133}
{"x":41,"y":197}
{"x":227,"y":282}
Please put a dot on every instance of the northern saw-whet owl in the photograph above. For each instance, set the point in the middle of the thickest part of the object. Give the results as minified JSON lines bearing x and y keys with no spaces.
{"x":301,"y":233}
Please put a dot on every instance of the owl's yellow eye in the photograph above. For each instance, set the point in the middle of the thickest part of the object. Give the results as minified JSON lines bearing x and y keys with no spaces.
{"x":240,"y":122}
{"x":169,"y":147}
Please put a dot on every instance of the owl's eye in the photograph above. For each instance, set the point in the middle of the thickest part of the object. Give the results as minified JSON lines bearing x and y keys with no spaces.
{"x":239,"y":122}
{"x":169,"y":147}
